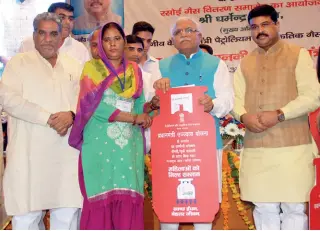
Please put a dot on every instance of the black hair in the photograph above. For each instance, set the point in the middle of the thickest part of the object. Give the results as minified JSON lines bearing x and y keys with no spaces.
{"x":207,"y":48}
{"x":134,"y":39}
{"x":113,"y":25}
{"x":263,"y":10}
{"x":142,"y":26}
{"x":60,"y":5}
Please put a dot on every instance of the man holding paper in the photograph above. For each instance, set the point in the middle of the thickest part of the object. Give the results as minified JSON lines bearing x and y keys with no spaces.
{"x":191,"y":66}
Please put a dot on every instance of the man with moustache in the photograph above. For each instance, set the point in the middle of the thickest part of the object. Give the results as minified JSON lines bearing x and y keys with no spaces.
{"x":276,"y":87}
{"x":68,"y":44}
{"x":42,"y":168}
{"x":97,"y":13}
{"x":192,"y":66}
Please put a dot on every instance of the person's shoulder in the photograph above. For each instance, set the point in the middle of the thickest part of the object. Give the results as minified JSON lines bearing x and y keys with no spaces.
{"x":167,"y":59}
{"x":79,"y":45}
{"x":23,"y":59}
{"x":211,"y":57}
{"x":79,"y":19}
{"x":115,"y":17}
{"x":67,"y":59}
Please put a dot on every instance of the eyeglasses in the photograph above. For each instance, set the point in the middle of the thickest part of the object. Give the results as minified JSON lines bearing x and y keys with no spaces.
{"x":263,"y":25}
{"x":187,"y":30}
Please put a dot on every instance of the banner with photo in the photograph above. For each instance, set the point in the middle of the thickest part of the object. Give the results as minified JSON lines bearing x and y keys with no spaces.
{"x":90,"y":15}
{"x":224,"y":24}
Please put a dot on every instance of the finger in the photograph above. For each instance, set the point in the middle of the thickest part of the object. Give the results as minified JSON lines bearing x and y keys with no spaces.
{"x":55,"y":122}
{"x":54,"y":116}
{"x":164,"y":87}
{"x":260,"y":127}
{"x":201,"y":99}
{"x":167,"y":86}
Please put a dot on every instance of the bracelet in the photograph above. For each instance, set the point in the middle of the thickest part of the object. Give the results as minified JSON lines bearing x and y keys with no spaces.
{"x":134,"y":120}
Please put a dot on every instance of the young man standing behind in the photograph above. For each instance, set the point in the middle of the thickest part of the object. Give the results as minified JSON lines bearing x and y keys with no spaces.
{"x":148,"y":63}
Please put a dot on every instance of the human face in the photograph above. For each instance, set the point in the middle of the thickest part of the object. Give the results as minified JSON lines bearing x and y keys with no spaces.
{"x":186,"y":38}
{"x":146,"y":37}
{"x":134,"y":52}
{"x":113,"y":43}
{"x":47,"y":39}
{"x":94,"y":45}
{"x":67,"y":19}
{"x":96,"y":6}
{"x":264,"y":32}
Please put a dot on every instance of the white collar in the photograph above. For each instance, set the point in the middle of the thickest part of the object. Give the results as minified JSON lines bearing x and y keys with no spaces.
{"x":151,"y":58}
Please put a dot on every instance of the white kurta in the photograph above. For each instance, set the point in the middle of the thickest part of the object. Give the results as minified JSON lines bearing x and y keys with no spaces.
{"x":41,"y":170}
{"x":16,"y":106}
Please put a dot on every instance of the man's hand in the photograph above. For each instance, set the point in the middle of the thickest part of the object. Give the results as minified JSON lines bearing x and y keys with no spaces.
{"x":268,"y":118}
{"x":162,"y":84}
{"x":155,"y":101}
{"x":206,"y":101}
{"x":60,"y":122}
{"x":251,"y":121}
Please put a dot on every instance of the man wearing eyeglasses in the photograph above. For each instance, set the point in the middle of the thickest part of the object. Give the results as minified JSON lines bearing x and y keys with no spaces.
{"x":68,"y":45}
{"x":276,"y":87}
{"x":192,"y":66}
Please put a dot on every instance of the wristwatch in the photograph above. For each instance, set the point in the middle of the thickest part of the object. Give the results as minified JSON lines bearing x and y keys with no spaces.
{"x":281,"y":116}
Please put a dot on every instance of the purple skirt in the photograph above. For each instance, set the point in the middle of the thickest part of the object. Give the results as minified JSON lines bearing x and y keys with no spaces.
{"x":117,"y":212}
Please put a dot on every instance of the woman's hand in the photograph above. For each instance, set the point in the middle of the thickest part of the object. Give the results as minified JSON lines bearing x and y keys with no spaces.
{"x":143,"y":120}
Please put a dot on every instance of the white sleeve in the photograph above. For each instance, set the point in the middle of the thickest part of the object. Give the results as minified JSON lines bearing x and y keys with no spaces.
{"x":223,"y":87}
{"x":11,"y":96}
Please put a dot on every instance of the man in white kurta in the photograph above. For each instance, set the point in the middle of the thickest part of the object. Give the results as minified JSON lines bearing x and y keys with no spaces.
{"x":16,"y":106}
{"x":69,"y":45}
{"x":42,"y":170}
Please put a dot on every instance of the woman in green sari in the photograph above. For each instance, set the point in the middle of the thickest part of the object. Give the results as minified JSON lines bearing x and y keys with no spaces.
{"x":108,"y":130}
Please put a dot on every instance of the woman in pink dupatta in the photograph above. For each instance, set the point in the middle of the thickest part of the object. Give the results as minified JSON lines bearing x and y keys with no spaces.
{"x":108,"y":130}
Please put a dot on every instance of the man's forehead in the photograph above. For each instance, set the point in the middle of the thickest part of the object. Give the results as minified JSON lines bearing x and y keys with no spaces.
{"x":63,"y":11}
{"x":185,"y":23}
{"x":95,"y":34}
{"x":48,"y":26}
{"x":134,"y":45}
{"x":260,"y":19}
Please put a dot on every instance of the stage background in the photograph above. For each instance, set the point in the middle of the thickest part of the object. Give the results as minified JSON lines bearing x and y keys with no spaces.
{"x":224,"y":24}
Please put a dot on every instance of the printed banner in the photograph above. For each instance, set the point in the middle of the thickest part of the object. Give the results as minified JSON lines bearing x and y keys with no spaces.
{"x":184,"y":162}
{"x":224,"y":24}
{"x":90,"y":15}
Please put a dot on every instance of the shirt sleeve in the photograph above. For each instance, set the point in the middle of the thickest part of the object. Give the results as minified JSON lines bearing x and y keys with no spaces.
{"x":308,"y":88}
{"x":223,"y":103}
{"x":86,"y":54}
{"x":239,"y":85}
{"x":12,"y":101}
